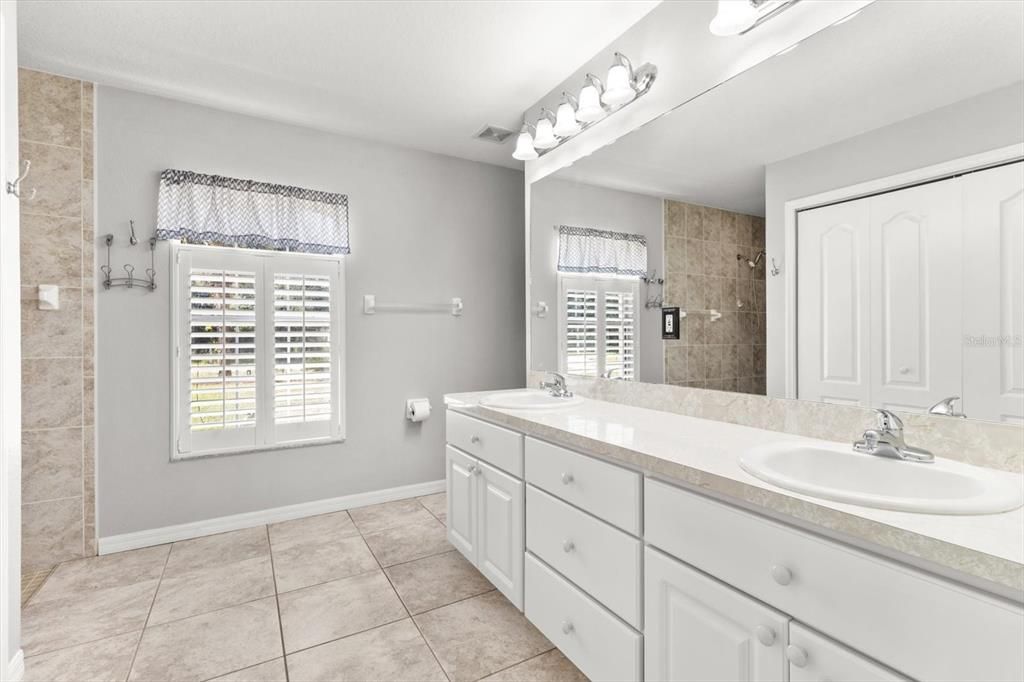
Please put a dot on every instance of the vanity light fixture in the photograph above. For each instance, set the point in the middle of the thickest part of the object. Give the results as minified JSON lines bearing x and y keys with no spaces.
{"x":565,"y":121}
{"x":595,"y":101}
{"x":620,"y":83}
{"x":545,"y":137}
{"x":736,"y":17}
{"x":525,"y":150}
{"x":589,"y":108}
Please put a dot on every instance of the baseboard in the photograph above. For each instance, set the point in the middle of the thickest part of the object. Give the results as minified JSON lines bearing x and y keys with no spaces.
{"x":16,"y":667}
{"x":222,"y":524}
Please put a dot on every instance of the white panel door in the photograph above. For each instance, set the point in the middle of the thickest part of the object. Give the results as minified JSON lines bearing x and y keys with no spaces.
{"x":993,"y":252}
{"x":916,"y":296}
{"x":500,"y":542}
{"x":462,"y":502}
{"x":832,"y":304}
{"x":814,"y":658}
{"x":699,"y":630}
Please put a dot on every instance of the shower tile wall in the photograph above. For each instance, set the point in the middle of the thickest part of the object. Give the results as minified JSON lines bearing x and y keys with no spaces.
{"x":703,"y":273}
{"x":58,"y":490}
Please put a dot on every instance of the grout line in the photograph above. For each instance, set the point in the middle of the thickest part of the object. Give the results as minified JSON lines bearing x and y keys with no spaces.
{"x":351,"y":634}
{"x":416,"y":625}
{"x":457,"y":601}
{"x":525,"y":660}
{"x":277,"y":602}
{"x":149,"y":613}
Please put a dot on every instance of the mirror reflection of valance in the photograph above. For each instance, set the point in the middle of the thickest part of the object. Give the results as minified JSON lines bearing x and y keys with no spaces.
{"x":211,"y":209}
{"x":586,"y":250}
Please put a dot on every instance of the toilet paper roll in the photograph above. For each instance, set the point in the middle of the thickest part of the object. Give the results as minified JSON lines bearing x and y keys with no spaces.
{"x":417,"y":409}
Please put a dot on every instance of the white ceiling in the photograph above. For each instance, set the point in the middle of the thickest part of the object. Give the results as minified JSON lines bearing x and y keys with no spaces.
{"x":893,"y":61}
{"x":427,"y":75}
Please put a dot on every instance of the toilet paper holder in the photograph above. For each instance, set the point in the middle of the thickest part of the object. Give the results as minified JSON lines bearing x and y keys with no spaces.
{"x":417,"y":409}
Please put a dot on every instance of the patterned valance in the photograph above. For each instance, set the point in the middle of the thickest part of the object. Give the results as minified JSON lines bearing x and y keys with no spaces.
{"x":212,"y":209}
{"x":582,"y":249}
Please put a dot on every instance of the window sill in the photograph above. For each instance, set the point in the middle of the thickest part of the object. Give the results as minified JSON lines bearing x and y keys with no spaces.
{"x":229,"y":452}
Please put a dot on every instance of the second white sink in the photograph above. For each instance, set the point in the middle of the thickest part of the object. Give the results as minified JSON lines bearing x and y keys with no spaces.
{"x":836,"y":472}
{"x":528,"y":399}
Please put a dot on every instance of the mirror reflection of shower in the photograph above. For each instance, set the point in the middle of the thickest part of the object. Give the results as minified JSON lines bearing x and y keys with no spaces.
{"x":751,"y":263}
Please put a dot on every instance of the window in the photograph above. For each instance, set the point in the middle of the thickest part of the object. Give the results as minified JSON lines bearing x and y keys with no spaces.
{"x":597,"y":321}
{"x":258,"y":361}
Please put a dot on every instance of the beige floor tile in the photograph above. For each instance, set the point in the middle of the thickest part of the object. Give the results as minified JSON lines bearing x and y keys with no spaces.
{"x":336,"y":525}
{"x":212,"y":644}
{"x":208,"y":589}
{"x":102,"y":661}
{"x":271,"y":671}
{"x":73,"y":578}
{"x":550,"y":667}
{"x":217,"y":550}
{"x":320,"y":560}
{"x":97,"y":614}
{"x":318,"y":614}
{"x":393,"y":652}
{"x":436,"y":581}
{"x":389,"y":515}
{"x":436,"y":505}
{"x":479,"y":636}
{"x":405,"y":543}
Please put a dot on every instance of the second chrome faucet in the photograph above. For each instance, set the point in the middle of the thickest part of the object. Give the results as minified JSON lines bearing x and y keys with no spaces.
{"x":886,"y":440}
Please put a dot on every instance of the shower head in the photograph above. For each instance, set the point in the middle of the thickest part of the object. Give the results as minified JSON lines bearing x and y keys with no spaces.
{"x":751,"y":263}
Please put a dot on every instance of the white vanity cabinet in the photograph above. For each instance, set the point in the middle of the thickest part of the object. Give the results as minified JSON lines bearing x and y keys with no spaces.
{"x":699,"y":629}
{"x":486,"y":504}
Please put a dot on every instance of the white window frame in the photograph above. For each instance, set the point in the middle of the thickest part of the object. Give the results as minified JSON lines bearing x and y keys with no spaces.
{"x":266,"y":435}
{"x":601,"y":284}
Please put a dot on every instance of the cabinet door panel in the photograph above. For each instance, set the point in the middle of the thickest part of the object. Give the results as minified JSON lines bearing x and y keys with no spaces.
{"x":698,"y":629}
{"x":500,"y":531}
{"x":462,"y":502}
{"x":819,"y":658}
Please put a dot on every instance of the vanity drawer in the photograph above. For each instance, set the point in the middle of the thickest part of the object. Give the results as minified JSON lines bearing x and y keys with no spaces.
{"x":605,"y":490}
{"x":600,"y":645}
{"x":921,"y":625}
{"x":814,"y":657}
{"x":491,"y":443}
{"x":599,"y":558}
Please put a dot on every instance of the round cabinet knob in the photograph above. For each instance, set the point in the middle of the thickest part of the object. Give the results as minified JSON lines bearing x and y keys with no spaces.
{"x":568,"y":546}
{"x":781,"y":574}
{"x":796,"y":655}
{"x":567,"y":478}
{"x":568,"y":627}
{"x":474,"y":439}
{"x":471,"y":469}
{"x":477,"y":470}
{"x":765,"y":635}
{"x":904,"y":370}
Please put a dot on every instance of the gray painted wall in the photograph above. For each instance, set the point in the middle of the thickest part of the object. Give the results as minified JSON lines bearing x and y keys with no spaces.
{"x":424,"y":228}
{"x":975,"y":125}
{"x":559,"y":202}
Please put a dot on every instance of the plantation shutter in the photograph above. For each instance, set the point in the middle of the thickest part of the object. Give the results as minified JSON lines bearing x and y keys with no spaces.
{"x":302,"y":348}
{"x":581,"y":331}
{"x":618,"y":335}
{"x":598,"y":326}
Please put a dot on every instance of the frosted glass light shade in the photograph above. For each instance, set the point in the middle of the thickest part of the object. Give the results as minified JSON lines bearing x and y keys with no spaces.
{"x":589,"y":109}
{"x":545,"y":138}
{"x":524,"y":148}
{"x":733,"y":17}
{"x":565,"y":123}
{"x":619,"y":90}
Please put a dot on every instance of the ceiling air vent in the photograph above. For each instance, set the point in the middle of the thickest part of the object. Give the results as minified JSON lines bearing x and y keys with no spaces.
{"x":495,"y":134}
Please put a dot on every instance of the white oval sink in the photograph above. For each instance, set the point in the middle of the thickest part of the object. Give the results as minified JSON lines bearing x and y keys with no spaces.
{"x":529,"y":399}
{"x":838,"y":473}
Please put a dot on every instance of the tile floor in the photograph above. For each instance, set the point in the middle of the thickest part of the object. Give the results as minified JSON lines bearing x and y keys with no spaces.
{"x":375,"y":593}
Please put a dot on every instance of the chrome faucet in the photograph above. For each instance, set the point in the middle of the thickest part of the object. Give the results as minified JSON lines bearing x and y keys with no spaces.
{"x":945,"y":407}
{"x":887,"y":440}
{"x":557,"y":388}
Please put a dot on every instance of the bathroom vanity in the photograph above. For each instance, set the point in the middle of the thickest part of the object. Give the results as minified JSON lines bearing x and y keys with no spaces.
{"x":636,"y":543}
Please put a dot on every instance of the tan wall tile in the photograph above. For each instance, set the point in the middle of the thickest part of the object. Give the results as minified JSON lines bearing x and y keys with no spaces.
{"x":87,"y":155}
{"x":51,"y":464}
{"x":88,"y":401}
{"x":51,"y":393}
{"x":51,"y":333}
{"x":49,"y":108}
{"x":56,"y":175}
{"x":51,"y":250}
{"x":51,"y":532}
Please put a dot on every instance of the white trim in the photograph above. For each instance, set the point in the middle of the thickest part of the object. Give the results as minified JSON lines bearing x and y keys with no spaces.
{"x":16,"y":667}
{"x":223,"y":524}
{"x":966,"y":164}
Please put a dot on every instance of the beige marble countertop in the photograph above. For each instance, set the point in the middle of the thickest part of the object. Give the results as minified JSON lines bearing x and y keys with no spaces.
{"x":983,"y":550}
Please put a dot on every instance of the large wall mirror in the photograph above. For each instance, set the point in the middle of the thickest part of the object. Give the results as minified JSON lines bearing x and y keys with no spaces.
{"x":841,"y":223}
